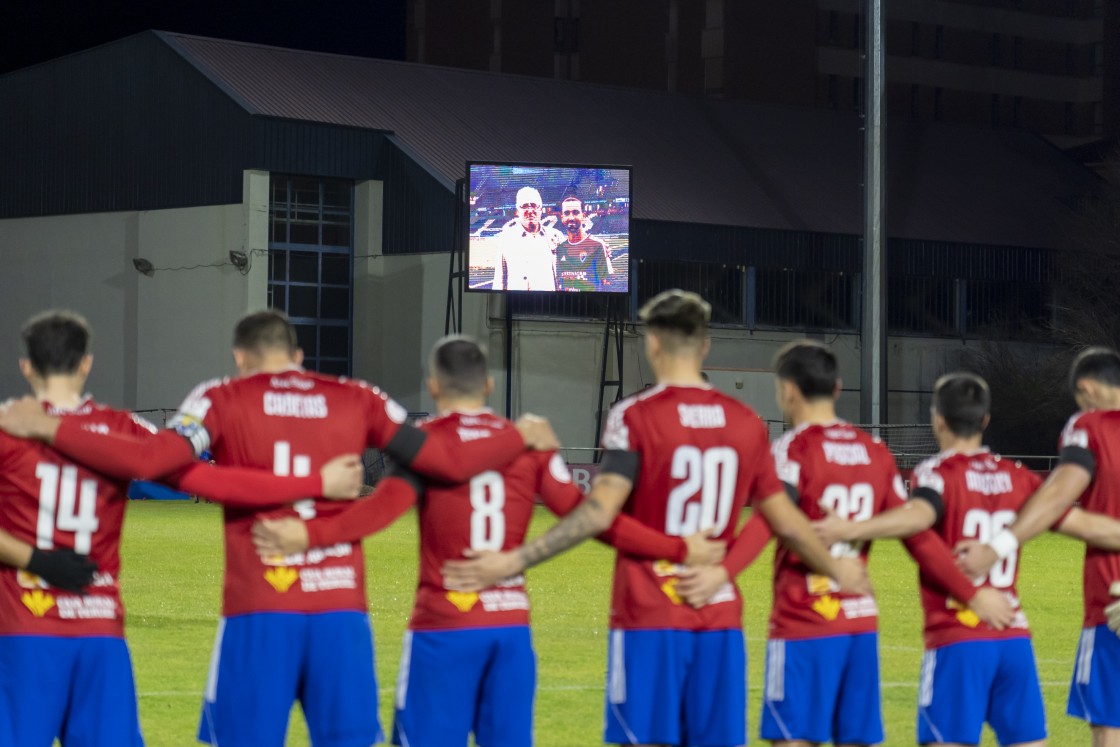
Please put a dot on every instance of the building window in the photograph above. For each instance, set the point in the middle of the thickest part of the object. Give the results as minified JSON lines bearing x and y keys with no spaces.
{"x":938,"y":106}
{"x":916,"y":39}
{"x":915,"y":102}
{"x":833,"y":84}
{"x":939,"y":42}
{"x":833,"y":26}
{"x":1018,"y":53}
{"x":995,"y":110}
{"x":996,"y":51}
{"x":310,"y":266}
{"x":1017,"y":111}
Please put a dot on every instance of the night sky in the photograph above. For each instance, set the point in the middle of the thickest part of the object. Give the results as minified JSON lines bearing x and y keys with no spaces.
{"x":34,"y":31}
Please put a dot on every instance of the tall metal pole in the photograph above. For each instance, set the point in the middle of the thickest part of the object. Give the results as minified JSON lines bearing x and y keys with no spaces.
{"x":873,"y":343}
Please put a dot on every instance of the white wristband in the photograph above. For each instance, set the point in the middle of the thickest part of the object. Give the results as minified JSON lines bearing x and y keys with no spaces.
{"x":1005,"y":543}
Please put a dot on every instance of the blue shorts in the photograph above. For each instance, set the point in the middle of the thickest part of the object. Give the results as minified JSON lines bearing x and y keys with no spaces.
{"x":79,"y":690}
{"x":454,"y":682}
{"x":677,"y":687}
{"x":832,"y":686}
{"x":265,"y":661}
{"x":1094,"y":695}
{"x":965,"y":684}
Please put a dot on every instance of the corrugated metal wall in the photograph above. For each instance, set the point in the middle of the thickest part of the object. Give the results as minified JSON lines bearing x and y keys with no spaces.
{"x":126,"y":126}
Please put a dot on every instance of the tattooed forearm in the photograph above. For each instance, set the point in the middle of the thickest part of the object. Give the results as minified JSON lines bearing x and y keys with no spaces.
{"x":589,"y":518}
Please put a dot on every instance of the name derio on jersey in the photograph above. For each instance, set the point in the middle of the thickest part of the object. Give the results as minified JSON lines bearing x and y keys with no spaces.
{"x":292,"y":405}
{"x":702,"y":416}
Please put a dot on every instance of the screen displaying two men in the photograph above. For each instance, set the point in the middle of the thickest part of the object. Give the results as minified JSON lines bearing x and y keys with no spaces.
{"x":549,"y":228}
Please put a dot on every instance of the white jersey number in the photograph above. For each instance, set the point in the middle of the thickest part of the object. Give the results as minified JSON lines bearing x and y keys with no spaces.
{"x":67,"y":504}
{"x":982,"y":526}
{"x":852,"y":502}
{"x":488,"y":521}
{"x":285,"y":465}
{"x":712,"y":474}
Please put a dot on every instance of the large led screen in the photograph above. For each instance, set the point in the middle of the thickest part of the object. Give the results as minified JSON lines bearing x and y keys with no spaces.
{"x":546,"y":229}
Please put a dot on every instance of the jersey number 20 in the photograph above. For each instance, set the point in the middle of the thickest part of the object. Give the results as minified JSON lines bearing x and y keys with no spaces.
{"x":67,"y":504}
{"x":712,"y":474}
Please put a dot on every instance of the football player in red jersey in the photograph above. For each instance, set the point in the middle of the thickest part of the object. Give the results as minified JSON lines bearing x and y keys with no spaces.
{"x":312,"y":607}
{"x":1088,"y":473}
{"x":822,"y":668}
{"x":468,"y":664}
{"x":64,"y":665}
{"x":970,"y":672}
{"x":680,"y":457}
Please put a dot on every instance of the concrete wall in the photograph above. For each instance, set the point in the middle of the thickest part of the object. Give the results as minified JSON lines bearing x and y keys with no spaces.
{"x":154,"y":337}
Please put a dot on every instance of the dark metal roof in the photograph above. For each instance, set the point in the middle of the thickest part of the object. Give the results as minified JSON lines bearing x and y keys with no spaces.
{"x":695,"y":160}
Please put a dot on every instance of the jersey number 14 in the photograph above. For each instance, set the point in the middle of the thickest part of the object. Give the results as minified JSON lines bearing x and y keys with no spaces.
{"x":67,"y":504}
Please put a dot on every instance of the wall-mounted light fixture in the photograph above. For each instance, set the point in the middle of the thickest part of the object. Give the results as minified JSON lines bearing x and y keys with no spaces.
{"x":143,"y":266}
{"x":240,"y":260}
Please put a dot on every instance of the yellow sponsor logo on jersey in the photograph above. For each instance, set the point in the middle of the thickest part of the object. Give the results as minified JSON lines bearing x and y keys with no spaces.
{"x":818,"y":584}
{"x":38,"y":601}
{"x":664,"y":568}
{"x":965,"y":616}
{"x":281,"y":578}
{"x":28,"y":580}
{"x":464,"y":601}
{"x":827,"y":607}
{"x":670,"y":589}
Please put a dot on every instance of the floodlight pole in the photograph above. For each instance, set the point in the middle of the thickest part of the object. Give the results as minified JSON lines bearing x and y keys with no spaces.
{"x":873,"y":342}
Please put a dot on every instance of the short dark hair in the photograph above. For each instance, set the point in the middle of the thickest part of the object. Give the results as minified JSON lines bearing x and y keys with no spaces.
{"x":572,"y":198}
{"x":964,"y":400}
{"x":677,"y":316}
{"x":1097,"y":363}
{"x":56,"y":341}
{"x":265,"y":330}
{"x":810,"y":365}
{"x":459,"y":364}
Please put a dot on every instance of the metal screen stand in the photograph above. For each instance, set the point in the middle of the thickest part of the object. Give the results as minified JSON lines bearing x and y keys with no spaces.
{"x":611,"y":328}
{"x":457,"y":272}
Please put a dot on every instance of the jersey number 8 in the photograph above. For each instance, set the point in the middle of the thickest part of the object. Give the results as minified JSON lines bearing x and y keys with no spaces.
{"x":488,"y":521}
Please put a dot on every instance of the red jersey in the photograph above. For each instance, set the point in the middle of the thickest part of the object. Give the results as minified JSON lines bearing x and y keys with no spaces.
{"x":49,"y":501}
{"x":839,"y":467}
{"x":975,"y":495}
{"x":1092,"y":440}
{"x":491,"y":511}
{"x":702,"y":456}
{"x":289,"y":423}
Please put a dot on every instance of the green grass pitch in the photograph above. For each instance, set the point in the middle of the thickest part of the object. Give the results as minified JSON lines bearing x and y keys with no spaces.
{"x":171,"y":577}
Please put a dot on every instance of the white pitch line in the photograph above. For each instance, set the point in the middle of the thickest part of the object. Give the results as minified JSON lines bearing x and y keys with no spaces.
{"x":567,"y":688}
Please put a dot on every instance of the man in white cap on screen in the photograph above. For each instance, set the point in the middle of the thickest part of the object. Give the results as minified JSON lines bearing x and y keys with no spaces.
{"x":527,"y":250}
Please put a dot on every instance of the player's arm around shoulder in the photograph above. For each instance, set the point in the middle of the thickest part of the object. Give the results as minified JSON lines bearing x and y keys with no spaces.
{"x":1097,"y":530}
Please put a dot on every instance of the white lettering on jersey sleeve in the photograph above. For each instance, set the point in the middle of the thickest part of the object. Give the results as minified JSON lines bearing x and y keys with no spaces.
{"x":789,"y":470}
{"x":927,"y":476}
{"x":187,"y":422}
{"x":617,"y":434}
{"x":1074,"y":436}
{"x":145,"y":424}
{"x":558,"y":468}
